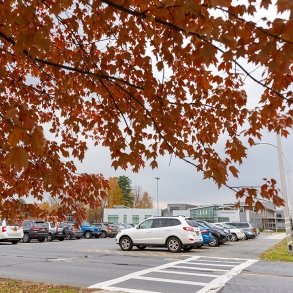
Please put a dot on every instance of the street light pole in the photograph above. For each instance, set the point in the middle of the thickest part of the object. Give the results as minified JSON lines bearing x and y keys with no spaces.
{"x":283,"y":192}
{"x":285,"y":197}
{"x":158,"y":212}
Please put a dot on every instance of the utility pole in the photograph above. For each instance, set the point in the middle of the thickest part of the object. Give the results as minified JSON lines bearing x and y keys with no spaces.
{"x":285,"y":197}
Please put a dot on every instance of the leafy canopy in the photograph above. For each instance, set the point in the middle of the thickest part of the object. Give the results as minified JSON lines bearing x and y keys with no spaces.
{"x":142,"y":78}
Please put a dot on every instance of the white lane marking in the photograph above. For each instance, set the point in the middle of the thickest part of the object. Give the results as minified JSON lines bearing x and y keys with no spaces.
{"x":171,"y":281}
{"x":121,"y":289}
{"x":210,"y":264}
{"x":189,"y":274}
{"x":202,"y":269}
{"x":214,"y":285}
{"x":223,"y":262}
{"x":218,"y":283}
{"x":104,"y":285}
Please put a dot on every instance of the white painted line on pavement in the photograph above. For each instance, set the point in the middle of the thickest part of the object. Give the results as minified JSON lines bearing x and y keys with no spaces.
{"x":121,"y":289}
{"x":210,"y":264}
{"x":171,"y":281}
{"x":189,"y":274}
{"x":220,"y":261}
{"x":106,"y":284}
{"x":202,"y":269}
{"x":214,"y":285}
{"x":218,"y":283}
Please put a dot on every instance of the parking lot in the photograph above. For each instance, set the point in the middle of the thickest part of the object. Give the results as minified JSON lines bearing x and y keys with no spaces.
{"x":100,"y":263}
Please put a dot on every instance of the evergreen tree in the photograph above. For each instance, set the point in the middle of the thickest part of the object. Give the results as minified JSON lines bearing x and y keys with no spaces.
{"x":125,"y":185}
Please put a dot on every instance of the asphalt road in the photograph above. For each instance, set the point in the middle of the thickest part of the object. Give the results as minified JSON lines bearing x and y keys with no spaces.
{"x":100,"y":263}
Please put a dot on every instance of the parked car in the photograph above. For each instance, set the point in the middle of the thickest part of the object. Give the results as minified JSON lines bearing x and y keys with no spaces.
{"x":237,"y":234}
{"x":120,"y":226}
{"x":10,"y":232}
{"x":175,"y":233}
{"x":72,"y":231}
{"x":220,"y":236}
{"x":89,"y":231}
{"x":249,"y":230}
{"x":34,"y":229}
{"x":56,"y":231}
{"x":107,"y":229}
{"x":129,"y":225}
{"x":206,"y":236}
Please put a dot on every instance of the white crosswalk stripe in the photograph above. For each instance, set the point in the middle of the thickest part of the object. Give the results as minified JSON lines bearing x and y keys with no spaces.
{"x":206,"y":274}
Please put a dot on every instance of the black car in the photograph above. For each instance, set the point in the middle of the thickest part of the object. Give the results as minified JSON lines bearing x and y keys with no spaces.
{"x":220,"y":236}
{"x":34,"y":229}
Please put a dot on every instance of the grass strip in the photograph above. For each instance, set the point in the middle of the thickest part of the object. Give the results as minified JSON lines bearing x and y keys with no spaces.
{"x":20,"y":286}
{"x":277,"y":253}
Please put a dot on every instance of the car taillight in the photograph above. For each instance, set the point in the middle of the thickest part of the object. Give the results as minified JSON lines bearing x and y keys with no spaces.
{"x":190,"y":229}
{"x":3,"y":228}
{"x":204,"y":232}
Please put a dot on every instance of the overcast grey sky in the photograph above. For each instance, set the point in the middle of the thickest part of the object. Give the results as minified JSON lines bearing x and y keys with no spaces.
{"x":179,"y":182}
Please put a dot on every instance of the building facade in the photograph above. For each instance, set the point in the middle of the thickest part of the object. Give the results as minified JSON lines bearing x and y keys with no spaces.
{"x":128,"y":215}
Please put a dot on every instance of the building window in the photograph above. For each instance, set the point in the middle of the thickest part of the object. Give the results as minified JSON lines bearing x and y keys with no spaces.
{"x":135,"y":219}
{"x":113,"y":218}
{"x":124,"y":219}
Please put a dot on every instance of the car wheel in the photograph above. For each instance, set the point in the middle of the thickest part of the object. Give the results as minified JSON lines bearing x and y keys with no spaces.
{"x":215,"y":242}
{"x":68,"y":237}
{"x":125,"y":243}
{"x":174,"y":244}
{"x":41,"y":239}
{"x":14,"y":241}
{"x":104,"y":234}
{"x":26,"y":238}
{"x":187,"y":248}
{"x":88,"y":234}
{"x":141,"y":247}
{"x":50,"y":237}
{"x":234,"y":237}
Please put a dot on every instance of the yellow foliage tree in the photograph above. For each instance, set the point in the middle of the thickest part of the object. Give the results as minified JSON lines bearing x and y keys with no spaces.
{"x":114,"y":193}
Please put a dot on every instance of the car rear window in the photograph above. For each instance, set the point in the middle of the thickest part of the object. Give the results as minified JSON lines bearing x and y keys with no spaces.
{"x":40,"y":224}
{"x":191,"y":222}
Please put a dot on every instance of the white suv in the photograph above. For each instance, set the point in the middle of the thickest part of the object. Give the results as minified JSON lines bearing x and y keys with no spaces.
{"x":10,"y":233}
{"x":175,"y":233}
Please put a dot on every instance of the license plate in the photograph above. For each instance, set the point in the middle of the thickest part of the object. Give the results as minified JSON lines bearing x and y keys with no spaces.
{"x":15,"y":229}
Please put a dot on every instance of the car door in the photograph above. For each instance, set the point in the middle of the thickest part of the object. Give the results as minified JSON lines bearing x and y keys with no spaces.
{"x":142,"y":234}
{"x":160,"y":230}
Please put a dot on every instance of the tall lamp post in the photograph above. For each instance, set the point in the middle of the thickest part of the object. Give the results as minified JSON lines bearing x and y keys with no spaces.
{"x":284,"y":193}
{"x":158,"y":212}
{"x":285,"y":197}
